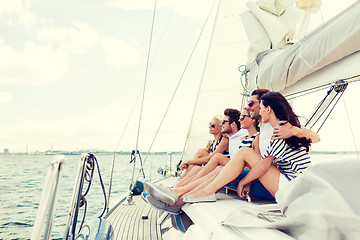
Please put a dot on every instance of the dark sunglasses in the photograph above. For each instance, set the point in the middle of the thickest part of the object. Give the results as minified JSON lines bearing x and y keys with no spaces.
{"x":242,"y":117}
{"x":211,"y":125}
{"x":225,"y":121}
{"x":251,"y":103}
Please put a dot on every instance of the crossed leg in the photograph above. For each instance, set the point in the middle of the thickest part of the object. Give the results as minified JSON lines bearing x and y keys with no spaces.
{"x":217,"y":160}
{"x":245,"y":156}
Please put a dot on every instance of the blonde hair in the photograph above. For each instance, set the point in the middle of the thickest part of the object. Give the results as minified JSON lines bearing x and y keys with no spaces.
{"x":219,"y":117}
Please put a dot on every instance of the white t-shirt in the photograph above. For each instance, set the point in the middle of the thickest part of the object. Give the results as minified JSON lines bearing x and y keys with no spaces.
{"x":266,"y":131}
{"x":235,"y":141}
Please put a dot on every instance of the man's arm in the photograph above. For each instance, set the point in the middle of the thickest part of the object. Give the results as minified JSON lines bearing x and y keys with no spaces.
{"x":287,"y":130}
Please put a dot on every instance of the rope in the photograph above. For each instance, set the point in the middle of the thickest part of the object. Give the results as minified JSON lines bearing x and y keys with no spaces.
{"x":143,"y":95}
{"x":244,"y":70}
{"x":330,"y":110}
{"x":173,"y":96}
{"x":136,"y":101}
{"x":352,"y":79}
{"x":89,"y":173}
{"x":319,"y":105}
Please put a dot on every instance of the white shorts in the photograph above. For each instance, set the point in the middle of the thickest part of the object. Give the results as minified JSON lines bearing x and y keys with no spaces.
{"x":283,"y":181}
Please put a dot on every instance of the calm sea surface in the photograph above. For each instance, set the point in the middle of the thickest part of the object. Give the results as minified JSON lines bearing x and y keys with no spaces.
{"x":22,"y":179}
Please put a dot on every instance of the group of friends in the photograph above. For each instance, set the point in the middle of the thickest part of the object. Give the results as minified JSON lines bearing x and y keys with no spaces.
{"x":257,"y":152}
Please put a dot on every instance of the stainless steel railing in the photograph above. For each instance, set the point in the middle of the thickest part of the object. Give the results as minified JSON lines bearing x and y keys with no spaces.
{"x":47,"y":206}
{"x":75,"y":201}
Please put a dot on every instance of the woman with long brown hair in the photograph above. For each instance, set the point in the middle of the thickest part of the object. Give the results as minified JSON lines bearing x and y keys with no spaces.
{"x":284,"y":159}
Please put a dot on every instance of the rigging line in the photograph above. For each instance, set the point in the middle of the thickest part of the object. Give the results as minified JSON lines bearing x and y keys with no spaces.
{"x":128,"y":121}
{"x":162,"y":36}
{"x":355,"y":78}
{"x":330,"y":111}
{"x":306,"y":92}
{"x":177,"y":86}
{"x":351,"y":129}
{"x":152,"y":62}
{"x":323,"y":112}
{"x":130,"y":116}
{"x":319,"y":105}
{"x":202,"y":77}
{"x":143,"y":95}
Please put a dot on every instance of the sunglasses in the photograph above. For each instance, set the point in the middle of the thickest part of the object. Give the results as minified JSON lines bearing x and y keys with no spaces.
{"x":251,"y":103}
{"x":225,"y":121}
{"x":242,"y":117}
{"x":211,"y":125}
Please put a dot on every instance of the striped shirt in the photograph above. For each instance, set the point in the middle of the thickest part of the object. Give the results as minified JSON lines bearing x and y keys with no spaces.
{"x":290,"y":162}
{"x":247,"y":142}
{"x":214,"y":146}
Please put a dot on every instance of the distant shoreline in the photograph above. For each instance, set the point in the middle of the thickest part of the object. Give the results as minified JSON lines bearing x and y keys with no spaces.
{"x":82,"y":152}
{"x":157,"y":153}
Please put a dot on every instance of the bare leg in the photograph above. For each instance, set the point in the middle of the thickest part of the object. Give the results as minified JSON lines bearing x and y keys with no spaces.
{"x":188,"y":187}
{"x":235,"y":166}
{"x":190,"y":171}
{"x":194,"y":186}
{"x":199,"y":154}
{"x":216,"y":160}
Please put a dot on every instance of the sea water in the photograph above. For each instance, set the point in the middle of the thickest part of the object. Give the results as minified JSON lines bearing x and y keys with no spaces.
{"x":22,"y":178}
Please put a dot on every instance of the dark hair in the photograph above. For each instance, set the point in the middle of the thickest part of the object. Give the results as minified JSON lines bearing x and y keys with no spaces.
{"x":256,"y":120}
{"x":283,"y":111}
{"x":259,"y":92}
{"x":234,"y":116}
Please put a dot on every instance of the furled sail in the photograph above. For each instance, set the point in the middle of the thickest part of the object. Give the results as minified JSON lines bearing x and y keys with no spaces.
{"x":297,"y":67}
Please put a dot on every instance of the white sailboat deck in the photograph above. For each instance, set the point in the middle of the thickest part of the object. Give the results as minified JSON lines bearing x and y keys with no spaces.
{"x":208,"y":218}
{"x":128,"y":220}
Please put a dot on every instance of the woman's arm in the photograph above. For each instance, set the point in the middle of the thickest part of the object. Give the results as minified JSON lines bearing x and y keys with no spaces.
{"x":255,"y":144}
{"x":255,"y":172}
{"x":287,"y":130}
{"x":223,"y":145}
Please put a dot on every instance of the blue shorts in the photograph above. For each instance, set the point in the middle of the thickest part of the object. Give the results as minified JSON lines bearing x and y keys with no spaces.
{"x":257,"y":190}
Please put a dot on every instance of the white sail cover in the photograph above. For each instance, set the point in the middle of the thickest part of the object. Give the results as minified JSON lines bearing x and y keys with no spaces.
{"x":320,"y":51}
{"x":220,"y":87}
{"x":322,"y":203}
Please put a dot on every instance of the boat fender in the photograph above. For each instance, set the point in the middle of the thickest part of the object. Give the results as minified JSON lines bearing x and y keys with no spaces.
{"x":181,"y":221}
{"x":138,"y":189}
{"x":96,"y":229}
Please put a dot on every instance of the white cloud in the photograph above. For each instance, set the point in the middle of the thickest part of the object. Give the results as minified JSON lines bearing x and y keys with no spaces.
{"x":193,"y":11}
{"x":137,"y":4}
{"x":47,"y":60}
{"x":82,"y":38}
{"x":78,"y":39}
{"x":118,"y":52}
{"x":5,"y":97}
{"x":35,"y":64}
{"x":17,"y":12}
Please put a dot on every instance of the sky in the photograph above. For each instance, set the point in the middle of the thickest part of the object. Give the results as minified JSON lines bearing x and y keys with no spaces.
{"x":71,"y":73}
